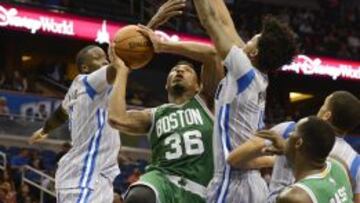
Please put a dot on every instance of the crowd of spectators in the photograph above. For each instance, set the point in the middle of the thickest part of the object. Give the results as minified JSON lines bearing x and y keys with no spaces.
{"x":17,"y":82}
{"x":331,"y":29}
{"x":14,"y":190}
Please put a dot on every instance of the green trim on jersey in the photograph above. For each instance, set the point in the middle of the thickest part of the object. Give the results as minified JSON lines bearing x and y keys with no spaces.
{"x":332,"y":185}
{"x":181,"y":140}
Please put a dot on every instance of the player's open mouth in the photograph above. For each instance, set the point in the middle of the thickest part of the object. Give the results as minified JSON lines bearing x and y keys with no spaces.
{"x":179,"y":77}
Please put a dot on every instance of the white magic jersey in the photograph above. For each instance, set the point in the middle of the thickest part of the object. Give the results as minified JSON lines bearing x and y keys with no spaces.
{"x":282,"y":175}
{"x":95,"y":145}
{"x":239,"y":107}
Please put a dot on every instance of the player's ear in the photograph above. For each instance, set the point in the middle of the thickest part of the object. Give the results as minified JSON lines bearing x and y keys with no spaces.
{"x":298,"y":143}
{"x":254,"y":52}
{"x":327,"y":116}
{"x":84,"y":68}
{"x":199,"y":88}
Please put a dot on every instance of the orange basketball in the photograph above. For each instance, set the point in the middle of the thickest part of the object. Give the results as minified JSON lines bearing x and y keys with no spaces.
{"x":132,"y":47}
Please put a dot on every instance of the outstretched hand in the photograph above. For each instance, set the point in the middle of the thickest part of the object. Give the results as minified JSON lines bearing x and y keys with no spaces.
{"x":155,"y":40}
{"x":278,"y":143}
{"x":38,"y":136}
{"x":168,"y":10}
{"x":115,"y":60}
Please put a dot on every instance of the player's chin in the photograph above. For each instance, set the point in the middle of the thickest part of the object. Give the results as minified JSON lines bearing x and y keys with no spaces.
{"x":178,"y":86}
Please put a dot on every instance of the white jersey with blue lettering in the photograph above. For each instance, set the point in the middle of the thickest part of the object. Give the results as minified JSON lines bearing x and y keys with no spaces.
{"x":95,"y":145}
{"x":239,"y":110}
{"x":282,"y":175}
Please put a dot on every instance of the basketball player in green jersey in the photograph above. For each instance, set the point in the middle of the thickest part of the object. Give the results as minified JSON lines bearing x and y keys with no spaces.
{"x":180,"y":132}
{"x":318,"y":178}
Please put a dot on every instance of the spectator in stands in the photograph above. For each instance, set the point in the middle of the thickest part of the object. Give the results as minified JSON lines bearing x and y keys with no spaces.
{"x":20,"y":83}
{"x":17,"y":163}
{"x":7,"y":178}
{"x":7,"y":194}
{"x":64,"y":149}
{"x":7,"y":187}
{"x":37,"y":165}
{"x":2,"y":80}
{"x":42,"y":113}
{"x":23,"y":195}
{"x":4,"y":109}
{"x":20,"y":160}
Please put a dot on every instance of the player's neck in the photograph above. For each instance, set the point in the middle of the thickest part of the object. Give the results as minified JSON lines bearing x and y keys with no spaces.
{"x":339,"y":133}
{"x":181,"y":98}
{"x":307,"y":168}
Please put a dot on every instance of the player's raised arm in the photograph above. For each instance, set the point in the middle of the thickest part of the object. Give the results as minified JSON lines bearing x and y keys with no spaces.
{"x":130,"y":122}
{"x":168,"y":10}
{"x":218,"y":26}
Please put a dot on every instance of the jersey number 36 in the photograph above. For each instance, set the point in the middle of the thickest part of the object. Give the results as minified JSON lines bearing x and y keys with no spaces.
{"x":192,"y":141}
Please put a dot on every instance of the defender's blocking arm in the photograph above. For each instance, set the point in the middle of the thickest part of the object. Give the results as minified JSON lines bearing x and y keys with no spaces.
{"x":219,"y":29}
{"x":265,"y":143}
{"x":169,"y":9}
{"x":131,"y":122}
{"x":250,"y":156}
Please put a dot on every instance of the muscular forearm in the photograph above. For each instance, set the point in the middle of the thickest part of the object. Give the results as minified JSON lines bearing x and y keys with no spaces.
{"x":246,"y":152}
{"x":219,"y":32}
{"x":196,"y":51}
{"x":110,"y":74}
{"x":259,"y":162}
{"x":117,"y":103}
{"x":206,"y":13}
{"x":56,"y":119}
{"x":226,"y":19}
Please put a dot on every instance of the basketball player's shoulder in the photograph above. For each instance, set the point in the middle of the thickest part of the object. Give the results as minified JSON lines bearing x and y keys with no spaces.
{"x":284,"y":129}
{"x":293,"y":194}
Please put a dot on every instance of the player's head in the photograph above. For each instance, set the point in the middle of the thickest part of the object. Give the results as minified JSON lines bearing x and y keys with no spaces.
{"x":311,"y":141}
{"x":274,"y":47}
{"x":183,"y":78}
{"x":90,"y":59}
{"x":342,"y":110}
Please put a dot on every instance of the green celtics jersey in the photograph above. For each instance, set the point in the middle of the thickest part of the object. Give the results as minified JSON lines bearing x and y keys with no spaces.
{"x":181,"y":140}
{"x":332,"y":185}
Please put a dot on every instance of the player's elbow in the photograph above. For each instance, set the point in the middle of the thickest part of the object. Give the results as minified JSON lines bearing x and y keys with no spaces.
{"x":212,"y":53}
{"x":113,"y":122}
{"x":116,"y":123}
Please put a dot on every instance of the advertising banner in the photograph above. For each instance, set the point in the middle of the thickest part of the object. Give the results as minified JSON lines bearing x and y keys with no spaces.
{"x":36,"y":21}
{"x":27,"y":105}
{"x":333,"y":68}
{"x":98,"y":30}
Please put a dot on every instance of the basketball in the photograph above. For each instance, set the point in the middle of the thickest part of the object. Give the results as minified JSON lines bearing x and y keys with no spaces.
{"x":132,"y":47}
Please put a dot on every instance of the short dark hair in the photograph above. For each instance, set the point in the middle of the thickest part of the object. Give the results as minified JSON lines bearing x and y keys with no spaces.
{"x":187,"y":63}
{"x":318,"y":138}
{"x":345,"y":110}
{"x":82,"y":54}
{"x":183,"y":62}
{"x":277,"y":45}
